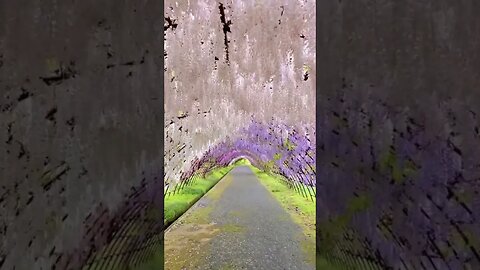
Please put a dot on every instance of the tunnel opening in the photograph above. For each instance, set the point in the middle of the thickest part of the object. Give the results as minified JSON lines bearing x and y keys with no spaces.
{"x":241,"y":160}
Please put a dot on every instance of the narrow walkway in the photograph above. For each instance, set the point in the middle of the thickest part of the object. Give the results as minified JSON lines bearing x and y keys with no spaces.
{"x":237,"y":225}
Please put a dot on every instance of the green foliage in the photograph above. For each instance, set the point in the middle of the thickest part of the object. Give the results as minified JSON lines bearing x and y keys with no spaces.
{"x":360,"y":203}
{"x":268,"y":166}
{"x":389,"y":164}
{"x":387,"y":161}
{"x":465,"y":196}
{"x":289,"y":145}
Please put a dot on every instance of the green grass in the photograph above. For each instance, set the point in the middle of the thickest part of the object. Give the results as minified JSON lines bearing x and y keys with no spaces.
{"x":288,"y":197}
{"x":177,"y":204}
{"x":301,"y":209}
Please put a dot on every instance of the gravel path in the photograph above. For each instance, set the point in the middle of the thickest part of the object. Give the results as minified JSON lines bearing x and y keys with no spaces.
{"x":237,"y":225}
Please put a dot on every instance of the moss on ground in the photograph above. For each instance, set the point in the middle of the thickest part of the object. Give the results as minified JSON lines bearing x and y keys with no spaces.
{"x":200,"y":216}
{"x":303,"y":212}
{"x":301,"y":209}
{"x":197,"y":222}
{"x":232,"y":228}
{"x":217,"y":192}
{"x":228,"y":266}
{"x":177,"y":204}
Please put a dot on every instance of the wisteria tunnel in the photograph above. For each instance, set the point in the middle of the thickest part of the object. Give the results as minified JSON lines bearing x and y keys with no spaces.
{"x":92,"y":147}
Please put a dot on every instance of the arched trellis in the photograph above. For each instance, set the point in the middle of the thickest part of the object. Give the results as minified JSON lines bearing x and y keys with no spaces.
{"x":272,"y":147}
{"x":233,"y":161}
